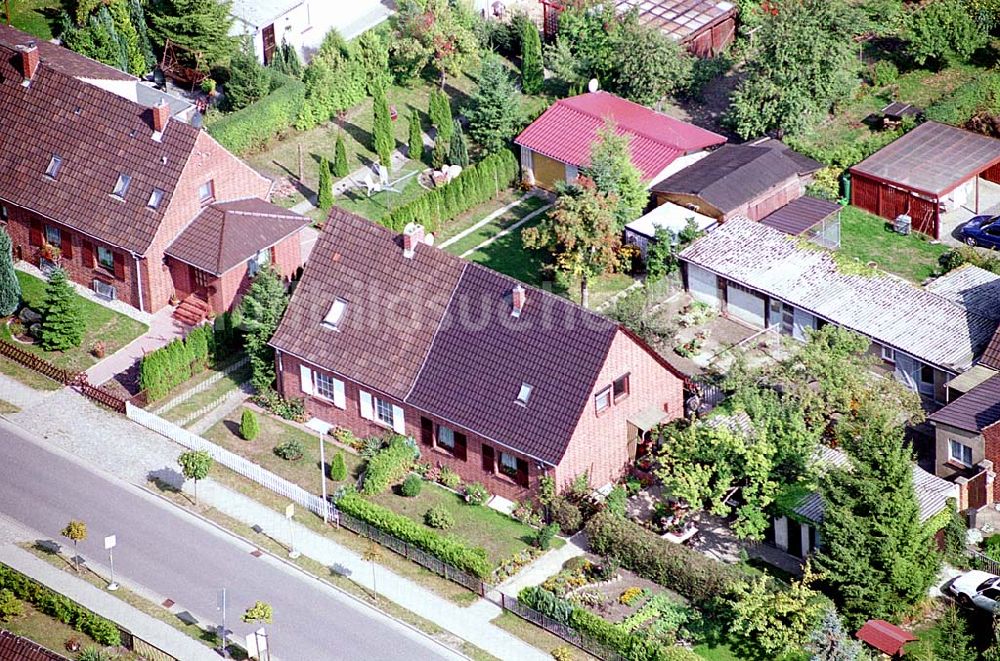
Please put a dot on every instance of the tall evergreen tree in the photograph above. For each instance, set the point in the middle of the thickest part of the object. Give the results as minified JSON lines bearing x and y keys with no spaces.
{"x":458,"y":147}
{"x":385,"y":143}
{"x":612,"y":171}
{"x":201,"y":26}
{"x":876,"y":557}
{"x":416,"y":141}
{"x":532,"y":71}
{"x":830,"y":641}
{"x":262,"y":308}
{"x":324,"y":197}
{"x":248,"y":80}
{"x":10,"y":286}
{"x":495,"y":112}
{"x":290,"y":57}
{"x":138,"y":16}
{"x":340,"y":167}
{"x":439,"y":110}
{"x":62,"y":317}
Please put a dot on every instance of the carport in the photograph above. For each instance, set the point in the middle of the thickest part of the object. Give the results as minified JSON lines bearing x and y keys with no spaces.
{"x":932,"y":170}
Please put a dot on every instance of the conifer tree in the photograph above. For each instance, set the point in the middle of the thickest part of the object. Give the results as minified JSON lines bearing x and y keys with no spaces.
{"x":338,"y":468}
{"x":495,"y":112}
{"x":340,"y":167}
{"x":62,"y":317}
{"x":385,"y":143}
{"x":200,"y":26}
{"x":10,"y":286}
{"x":458,"y":148}
{"x":416,"y":142}
{"x":262,"y":308}
{"x":532,"y":72}
{"x":439,"y":110}
{"x":324,"y":197}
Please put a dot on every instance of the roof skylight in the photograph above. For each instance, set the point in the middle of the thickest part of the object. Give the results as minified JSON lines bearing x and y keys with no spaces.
{"x":336,"y":313}
{"x":524,"y":393}
{"x":53,"y":168}
{"x":121,"y":186}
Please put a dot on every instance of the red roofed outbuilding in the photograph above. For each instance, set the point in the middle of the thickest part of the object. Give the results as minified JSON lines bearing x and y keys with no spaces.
{"x":885,"y":637}
{"x":556,"y":145}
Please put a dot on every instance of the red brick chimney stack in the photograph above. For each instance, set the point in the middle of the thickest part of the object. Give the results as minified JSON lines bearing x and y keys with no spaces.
{"x":161,"y":114}
{"x":30,"y":59}
{"x":518,"y":298}
{"x":413,"y":234}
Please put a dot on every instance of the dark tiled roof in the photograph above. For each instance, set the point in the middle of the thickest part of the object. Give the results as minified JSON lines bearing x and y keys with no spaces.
{"x":975,"y":410}
{"x":932,"y":158}
{"x":226,"y":234}
{"x":436,"y":332}
{"x":991,"y":356}
{"x":394,"y":304}
{"x":98,"y":135}
{"x":800,"y":214}
{"x":734,"y":174}
{"x":15,"y":648}
{"x":61,"y":59}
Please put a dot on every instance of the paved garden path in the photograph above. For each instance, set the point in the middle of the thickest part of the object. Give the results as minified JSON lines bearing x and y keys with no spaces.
{"x":116,"y":445}
{"x":545,"y":566}
{"x":162,"y":329}
{"x":231,"y":403}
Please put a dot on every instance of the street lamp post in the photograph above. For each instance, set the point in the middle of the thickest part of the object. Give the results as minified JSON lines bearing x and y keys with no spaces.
{"x":322,"y":477}
{"x":109,"y":544}
{"x":289,"y":513}
{"x":222,"y":607}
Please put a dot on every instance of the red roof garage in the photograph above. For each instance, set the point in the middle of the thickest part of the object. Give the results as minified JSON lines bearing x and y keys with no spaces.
{"x":930,"y":170}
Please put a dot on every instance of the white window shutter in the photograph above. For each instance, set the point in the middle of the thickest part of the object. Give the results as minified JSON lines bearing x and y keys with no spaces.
{"x":307,"y":379}
{"x":398,"y":423}
{"x":339,"y":397}
{"x":365,"y":400}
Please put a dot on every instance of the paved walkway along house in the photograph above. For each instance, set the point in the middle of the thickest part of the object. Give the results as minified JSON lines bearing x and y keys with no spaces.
{"x":162,"y":329}
{"x":116,"y":445}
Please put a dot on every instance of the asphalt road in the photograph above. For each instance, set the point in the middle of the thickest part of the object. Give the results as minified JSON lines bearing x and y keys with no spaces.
{"x":175,"y":555}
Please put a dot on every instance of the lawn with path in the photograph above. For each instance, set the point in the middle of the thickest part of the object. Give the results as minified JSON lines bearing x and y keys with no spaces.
{"x":869,"y":238}
{"x":227,"y":384}
{"x":103,"y":324}
{"x":519,"y":211}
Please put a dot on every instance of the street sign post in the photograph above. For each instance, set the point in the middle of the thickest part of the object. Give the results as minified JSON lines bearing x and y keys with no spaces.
{"x":290,"y":514}
{"x":221,"y":605}
{"x":109,"y":545}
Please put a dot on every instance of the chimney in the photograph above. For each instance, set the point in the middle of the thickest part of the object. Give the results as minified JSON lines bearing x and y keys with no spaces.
{"x":29,"y":59}
{"x":161,"y":113}
{"x":518,"y":297}
{"x":413,"y":234}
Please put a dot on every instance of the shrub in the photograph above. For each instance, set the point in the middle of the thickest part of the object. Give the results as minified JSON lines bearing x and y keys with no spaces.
{"x":883,"y":73}
{"x":452,"y":551}
{"x":826,"y":183}
{"x":10,"y":606}
{"x":956,"y":108}
{"x":249,"y":427}
{"x":439,"y":517}
{"x":562,"y":653}
{"x":371,"y":446}
{"x":411,"y":486}
{"x":338,"y":468}
{"x":476,"y":494}
{"x":388,"y":466}
{"x":991,"y":546}
{"x":567,"y":515}
{"x":690,"y":573}
{"x":616,"y":501}
{"x":450,"y":478}
{"x":92,"y":654}
{"x":289,"y":409}
{"x":256,"y":125}
{"x":576,"y":563}
{"x":543,"y":539}
{"x":967,"y":255}
{"x":290,"y":450}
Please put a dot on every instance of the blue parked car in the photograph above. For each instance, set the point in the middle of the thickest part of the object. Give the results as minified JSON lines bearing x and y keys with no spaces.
{"x":982,"y":231}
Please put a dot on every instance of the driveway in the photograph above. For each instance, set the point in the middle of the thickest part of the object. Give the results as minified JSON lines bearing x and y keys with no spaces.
{"x":951,"y":222}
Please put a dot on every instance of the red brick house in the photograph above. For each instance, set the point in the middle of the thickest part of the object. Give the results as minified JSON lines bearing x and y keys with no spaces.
{"x":502,"y":383}
{"x":103,"y":175}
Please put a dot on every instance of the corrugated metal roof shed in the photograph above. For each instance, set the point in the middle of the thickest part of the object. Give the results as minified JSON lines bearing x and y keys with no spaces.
{"x":971,"y":287}
{"x":800,"y":214}
{"x":892,"y":311}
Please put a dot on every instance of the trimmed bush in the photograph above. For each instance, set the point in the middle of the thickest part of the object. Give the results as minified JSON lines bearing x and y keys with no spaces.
{"x":249,"y":427}
{"x":290,"y":450}
{"x":697,"y":577}
{"x":439,"y":517}
{"x":103,"y":631}
{"x":476,"y":494}
{"x":412,"y":486}
{"x":166,"y":368}
{"x":338,"y":468}
{"x":253,"y":127}
{"x":389,"y":466}
{"x":447,"y":549}
{"x":543,"y":539}
{"x":567,"y":515}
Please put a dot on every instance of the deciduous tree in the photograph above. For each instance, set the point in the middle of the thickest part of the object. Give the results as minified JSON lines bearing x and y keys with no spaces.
{"x":76,"y":532}
{"x":196,"y":465}
{"x":432,"y":33}
{"x":10,"y":286}
{"x":62,"y":317}
{"x":943,"y":28}
{"x":649,"y":65}
{"x":581,"y":232}
{"x":495,"y":112}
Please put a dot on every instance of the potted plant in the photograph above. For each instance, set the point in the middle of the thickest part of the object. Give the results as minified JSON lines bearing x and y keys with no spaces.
{"x":98,"y":349}
{"x":51,"y":252}
{"x":208,"y":86}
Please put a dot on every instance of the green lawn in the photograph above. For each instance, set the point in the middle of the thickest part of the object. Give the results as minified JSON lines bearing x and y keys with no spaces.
{"x":494,"y":227}
{"x":499,"y":534}
{"x":356,"y":200}
{"x":220,"y":388}
{"x":717,"y":652}
{"x":37,"y":17}
{"x":30,"y":378}
{"x":868,"y":238}
{"x":104,"y":324}
{"x":45,"y":630}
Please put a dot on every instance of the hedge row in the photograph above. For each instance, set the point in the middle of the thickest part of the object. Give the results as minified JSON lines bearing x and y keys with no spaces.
{"x":476,"y":184}
{"x":447,"y":549}
{"x":178,"y":361}
{"x":61,"y":608}
{"x":256,"y":125}
{"x":632,"y":646}
{"x":389,"y":465}
{"x":684,"y":570}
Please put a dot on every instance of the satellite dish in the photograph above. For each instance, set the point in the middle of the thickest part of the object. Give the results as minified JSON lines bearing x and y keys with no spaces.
{"x":593,"y":85}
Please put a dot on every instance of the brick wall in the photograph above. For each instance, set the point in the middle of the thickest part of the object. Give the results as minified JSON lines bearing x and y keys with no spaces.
{"x":74,"y":258}
{"x":471,"y":469}
{"x":991,"y":441}
{"x":600,"y":443}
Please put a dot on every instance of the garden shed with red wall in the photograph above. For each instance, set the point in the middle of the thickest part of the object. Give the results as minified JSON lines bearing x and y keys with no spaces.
{"x":925,"y":174}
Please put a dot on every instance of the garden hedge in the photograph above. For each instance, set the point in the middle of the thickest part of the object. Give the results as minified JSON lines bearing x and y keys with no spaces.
{"x":389,"y":465}
{"x":61,"y":608}
{"x":456,"y":553}
{"x":178,"y":361}
{"x":256,"y":125}
{"x":476,"y":184}
{"x":684,"y":570}
{"x":632,"y":646}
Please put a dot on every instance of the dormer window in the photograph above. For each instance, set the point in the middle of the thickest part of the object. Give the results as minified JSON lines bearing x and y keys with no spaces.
{"x":121,"y":186}
{"x":155,"y":198}
{"x":54,"y":164}
{"x":336,"y":313}
{"x":206,"y":192}
{"x":524,"y":393}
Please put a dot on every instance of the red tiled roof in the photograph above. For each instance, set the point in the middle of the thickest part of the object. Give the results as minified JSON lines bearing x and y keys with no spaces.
{"x":62,"y":59}
{"x":227,"y":234}
{"x":885,"y":637}
{"x":436,"y":332}
{"x":98,"y":135}
{"x":15,"y":648}
{"x":569,"y":127}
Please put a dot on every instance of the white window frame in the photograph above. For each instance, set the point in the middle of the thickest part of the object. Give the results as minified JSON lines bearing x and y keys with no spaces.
{"x":524,"y":394}
{"x":49,"y":230}
{"x":336,"y":313}
{"x":605,"y":396}
{"x":888,"y":354}
{"x":110,"y":264}
{"x":105,"y":290}
{"x":52,"y":169}
{"x":155,"y":198}
{"x":383,"y":409}
{"x":324,"y":386}
{"x":206,"y":196}
{"x":963,"y":449}
{"x":445,"y":438}
{"x":501,"y":464}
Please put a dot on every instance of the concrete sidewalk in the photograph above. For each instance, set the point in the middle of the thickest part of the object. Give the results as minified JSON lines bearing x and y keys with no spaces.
{"x":162,"y":329}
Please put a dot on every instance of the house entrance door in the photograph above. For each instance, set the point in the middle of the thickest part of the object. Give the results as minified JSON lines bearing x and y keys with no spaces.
{"x":199,"y":282}
{"x":269,"y":43}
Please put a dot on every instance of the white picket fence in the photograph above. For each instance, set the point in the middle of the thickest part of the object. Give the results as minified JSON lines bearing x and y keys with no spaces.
{"x":201,"y":387}
{"x":230,"y":460}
